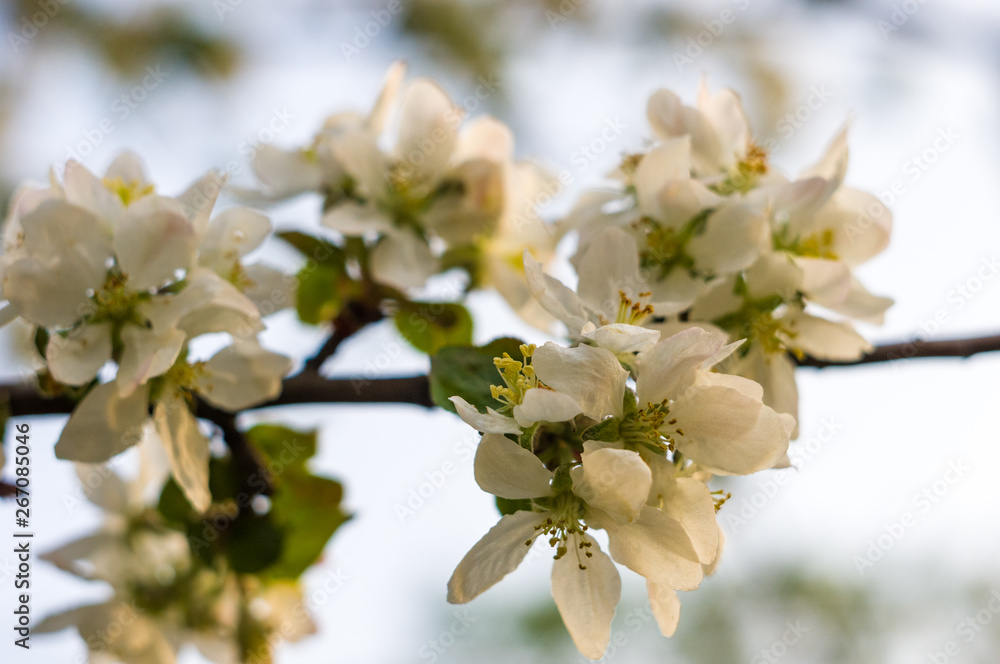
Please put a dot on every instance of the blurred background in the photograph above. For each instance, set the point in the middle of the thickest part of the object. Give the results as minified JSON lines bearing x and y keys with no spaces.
{"x":818,"y":565}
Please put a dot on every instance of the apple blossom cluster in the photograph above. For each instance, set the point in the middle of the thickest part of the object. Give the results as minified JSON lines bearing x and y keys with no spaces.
{"x":571,"y":447}
{"x":118,"y":281}
{"x":444,"y":194}
{"x":164,"y":595}
{"x":703,"y":232}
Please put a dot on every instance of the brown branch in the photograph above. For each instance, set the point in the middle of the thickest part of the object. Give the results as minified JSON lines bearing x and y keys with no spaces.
{"x":309,"y":387}
{"x":355,"y":315}
{"x":917,"y":348}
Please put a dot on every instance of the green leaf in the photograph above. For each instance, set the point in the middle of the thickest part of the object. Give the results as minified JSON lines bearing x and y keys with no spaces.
{"x":508,"y":506}
{"x":318,"y":297}
{"x":283,"y":448}
{"x":174,"y":506}
{"x":307,"y":508}
{"x":605,"y":431}
{"x":315,"y":249}
{"x":468,"y":372}
{"x":255,"y":543}
{"x":430,"y":326}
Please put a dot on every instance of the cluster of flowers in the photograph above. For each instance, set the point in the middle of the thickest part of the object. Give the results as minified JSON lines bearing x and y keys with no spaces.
{"x":701,"y":228}
{"x":694,"y":275}
{"x":165,"y":596}
{"x":446,"y":194}
{"x":118,"y":280}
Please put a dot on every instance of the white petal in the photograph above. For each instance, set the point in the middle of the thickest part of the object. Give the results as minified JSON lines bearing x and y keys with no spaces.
{"x":495,"y":556}
{"x":555,"y":298}
{"x":76,"y":358}
{"x":269,"y":288}
{"x":387,"y":97}
{"x":490,"y":422}
{"x":826,"y":340}
{"x":669,"y":161}
{"x":402,"y":260}
{"x":613,"y":480}
{"x":586,"y":597}
{"x":148,"y":352}
{"x":84,"y":189}
{"x":208,"y":304}
{"x":824,"y":282}
{"x":352,"y":218}
{"x":484,"y":138}
{"x":541,"y":405}
{"x":734,"y":236}
{"x":666,"y":607}
{"x":862,"y":305}
{"x":504,"y":468}
{"x":103,"y":424}
{"x":187,"y":449}
{"x":427,"y":130}
{"x":232,"y":235}
{"x":621,"y":338}
{"x":199,"y":199}
{"x":593,"y":377}
{"x":727,"y":430}
{"x":669,"y":367}
{"x":241,"y":376}
{"x":358,"y":152}
{"x":152,"y":243}
{"x":129,"y":167}
{"x":690,"y":503}
{"x":608,"y":266}
{"x":656,"y":547}
{"x":287,"y":172}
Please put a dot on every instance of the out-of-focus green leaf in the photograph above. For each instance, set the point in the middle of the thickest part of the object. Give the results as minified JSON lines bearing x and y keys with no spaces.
{"x":283,"y":448}
{"x":318,"y":297}
{"x":430,"y":326}
{"x":315,"y":249}
{"x":307,"y":508}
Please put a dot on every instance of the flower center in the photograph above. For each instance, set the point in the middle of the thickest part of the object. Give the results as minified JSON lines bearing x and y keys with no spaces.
{"x":633,"y":313}
{"x":746,"y":174}
{"x":563,"y":527}
{"x":666,"y":246}
{"x":518,"y":378}
{"x":651,"y":427}
{"x":128,"y":192}
{"x":817,"y":245}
